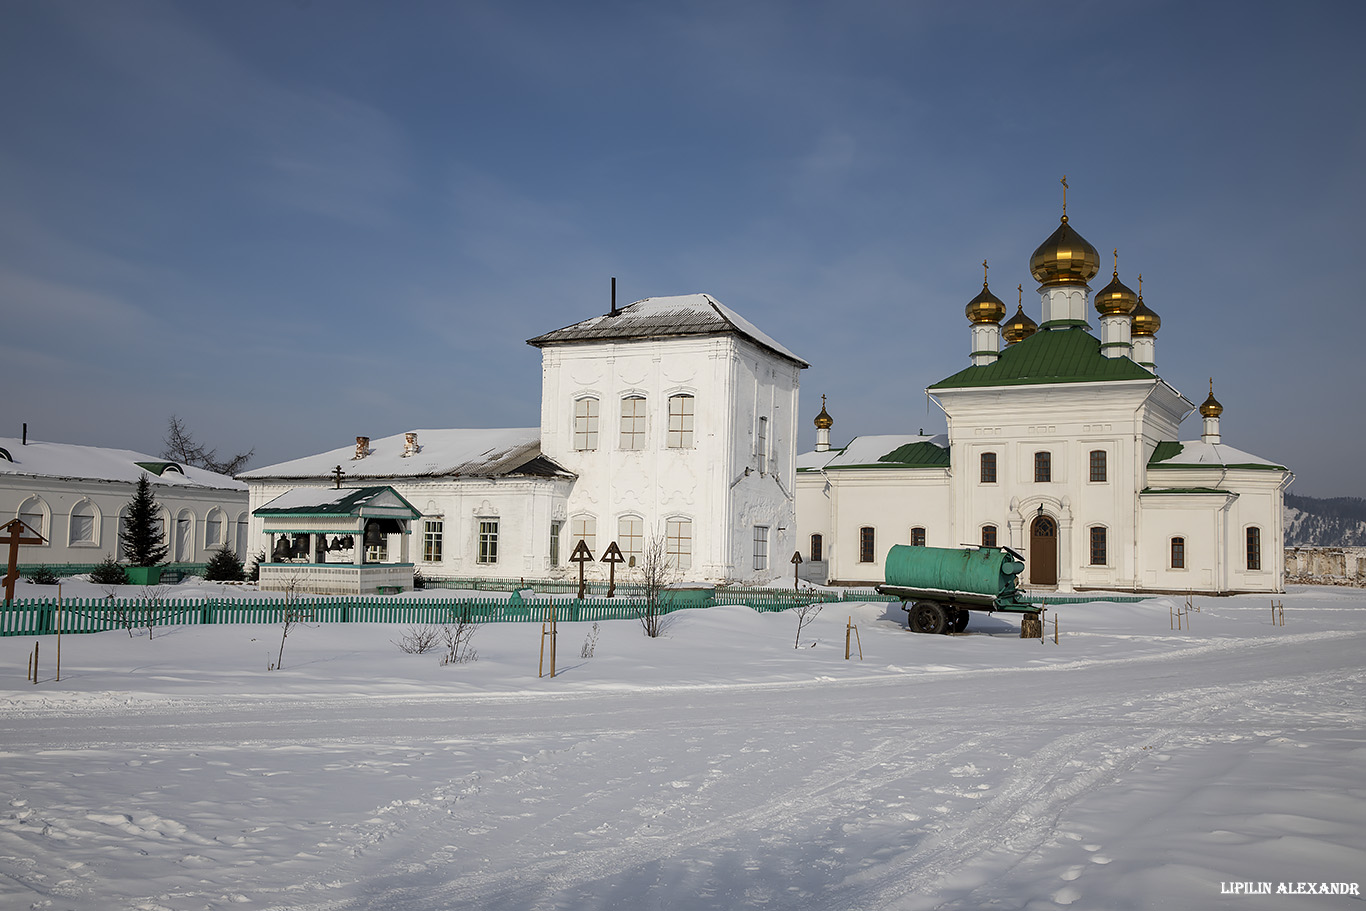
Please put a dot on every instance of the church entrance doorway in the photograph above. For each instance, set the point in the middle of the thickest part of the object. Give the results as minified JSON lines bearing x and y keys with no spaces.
{"x":1043,"y":551}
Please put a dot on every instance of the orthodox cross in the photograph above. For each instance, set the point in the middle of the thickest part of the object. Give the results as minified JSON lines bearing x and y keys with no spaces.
{"x":612,"y":557}
{"x":1140,"y":286}
{"x":15,"y":536}
{"x":984,"y":273}
{"x":1116,"y":260}
{"x":581,"y":555}
{"x":337,"y":475}
{"x":796,"y":566}
{"x":1020,"y":288}
{"x":1064,"y":196}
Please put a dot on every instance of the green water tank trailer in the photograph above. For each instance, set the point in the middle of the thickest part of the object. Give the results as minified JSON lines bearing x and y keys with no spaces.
{"x":939,"y":585}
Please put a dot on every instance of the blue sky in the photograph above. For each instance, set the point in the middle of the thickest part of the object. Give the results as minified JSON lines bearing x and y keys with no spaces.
{"x":292,"y":223}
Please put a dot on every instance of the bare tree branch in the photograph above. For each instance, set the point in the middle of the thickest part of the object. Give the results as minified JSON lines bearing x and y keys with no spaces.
{"x":180,"y":446}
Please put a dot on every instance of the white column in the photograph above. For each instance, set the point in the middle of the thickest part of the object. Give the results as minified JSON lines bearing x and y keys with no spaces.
{"x":1065,"y":305}
{"x":1211,"y":430}
{"x":986,"y":343}
{"x":1115,"y":339}
{"x":1145,"y":352}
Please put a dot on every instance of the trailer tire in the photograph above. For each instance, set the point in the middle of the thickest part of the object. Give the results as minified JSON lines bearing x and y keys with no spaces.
{"x":927,"y":617}
{"x":960,"y":621}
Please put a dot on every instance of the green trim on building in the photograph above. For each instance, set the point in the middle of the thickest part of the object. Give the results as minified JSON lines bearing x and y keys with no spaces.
{"x":1200,"y":490}
{"x":1167,"y":449}
{"x":916,"y":455}
{"x":1058,"y":356}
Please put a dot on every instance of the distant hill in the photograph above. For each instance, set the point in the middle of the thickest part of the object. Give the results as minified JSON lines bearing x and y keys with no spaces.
{"x":1331,"y":522}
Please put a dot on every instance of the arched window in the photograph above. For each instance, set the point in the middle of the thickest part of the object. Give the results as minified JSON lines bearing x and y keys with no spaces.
{"x":1254,"y":547}
{"x":867,"y":552}
{"x":817,"y":548}
{"x":680,"y":421}
{"x":1098,"y":546}
{"x":184,"y":537}
{"x":243,"y":527}
{"x":678,"y":543}
{"x":585,"y":529}
{"x":214,"y":528}
{"x":121,"y":528}
{"x":1178,"y":553}
{"x":33,"y":512}
{"x":917,"y":537}
{"x":84,"y":525}
{"x":988,"y":468}
{"x":988,"y":535}
{"x":631,"y":538}
{"x":632,"y":422}
{"x":1098,"y":465}
{"x":1043,"y":467}
{"x":586,"y":423}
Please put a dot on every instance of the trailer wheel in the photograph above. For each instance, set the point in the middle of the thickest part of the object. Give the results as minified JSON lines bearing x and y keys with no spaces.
{"x":960,"y":621}
{"x":927,"y":617}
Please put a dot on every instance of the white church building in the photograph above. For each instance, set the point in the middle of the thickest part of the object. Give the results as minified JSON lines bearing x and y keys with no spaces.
{"x":671,"y":419}
{"x":1063,"y":445}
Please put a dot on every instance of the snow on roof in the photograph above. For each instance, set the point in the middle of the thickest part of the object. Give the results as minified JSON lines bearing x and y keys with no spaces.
{"x":477,"y":452}
{"x":98,"y":463}
{"x":874,"y":450}
{"x":663,"y":317}
{"x":1198,"y":453}
{"x":348,"y":501}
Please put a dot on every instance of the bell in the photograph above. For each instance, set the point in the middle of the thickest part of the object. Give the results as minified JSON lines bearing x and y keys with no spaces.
{"x":373,"y":536}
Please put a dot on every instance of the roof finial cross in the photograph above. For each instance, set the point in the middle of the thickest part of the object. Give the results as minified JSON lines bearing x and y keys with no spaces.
{"x":1116,"y":262}
{"x":1140,"y":286}
{"x":1211,"y":385}
{"x":1020,"y":288}
{"x":985,"y":267}
{"x":1064,"y":197}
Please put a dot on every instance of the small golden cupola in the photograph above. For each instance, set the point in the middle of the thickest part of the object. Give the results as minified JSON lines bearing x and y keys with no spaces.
{"x":823,"y":424}
{"x":1116,"y":298}
{"x":1210,"y":412}
{"x":1145,"y":325}
{"x":985,"y":312}
{"x":1020,"y":326}
{"x":1115,"y":302}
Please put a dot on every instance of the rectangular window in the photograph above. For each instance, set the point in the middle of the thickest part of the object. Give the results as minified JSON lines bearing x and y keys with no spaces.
{"x":585,"y":529}
{"x":431,"y":541}
{"x":817,"y":547}
{"x":866,"y":552}
{"x":586,"y":424}
{"x":917,"y":537}
{"x":632,"y":423}
{"x":1043,"y":467}
{"x":1098,"y":556}
{"x":988,"y":468}
{"x":761,"y":445}
{"x":678,"y":543}
{"x":1178,"y":553}
{"x":488,"y":540}
{"x":555,"y":528}
{"x":760,"y":548}
{"x":988,"y":535}
{"x":631,"y":538}
{"x":680,"y":421}
{"x":1254,"y":548}
{"x":1097,"y":465}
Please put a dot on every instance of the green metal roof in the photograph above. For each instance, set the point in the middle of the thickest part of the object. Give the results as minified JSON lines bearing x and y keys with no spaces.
{"x":918,"y":455}
{"x":346,"y":502}
{"x":159,"y":468}
{"x":1070,"y":355}
{"x":1168,"y":450}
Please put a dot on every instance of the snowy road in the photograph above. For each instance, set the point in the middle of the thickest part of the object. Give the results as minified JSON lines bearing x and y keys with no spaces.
{"x":1117,"y":774}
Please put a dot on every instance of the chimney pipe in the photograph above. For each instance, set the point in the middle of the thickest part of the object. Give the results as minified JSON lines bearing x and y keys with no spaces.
{"x":26,"y":433}
{"x":409,"y":444}
{"x":614,"y":296}
{"x":362,"y":447}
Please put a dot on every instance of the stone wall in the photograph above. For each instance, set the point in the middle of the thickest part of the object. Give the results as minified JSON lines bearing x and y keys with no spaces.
{"x":1325,"y":565}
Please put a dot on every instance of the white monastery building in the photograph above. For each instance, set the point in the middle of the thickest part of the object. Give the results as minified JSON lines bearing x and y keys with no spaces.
{"x":671,"y":419}
{"x":76,"y":498}
{"x":1063,"y":445}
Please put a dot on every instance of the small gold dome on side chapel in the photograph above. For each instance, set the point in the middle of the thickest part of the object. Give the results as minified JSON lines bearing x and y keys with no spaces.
{"x":1116,"y":297}
{"x":985,"y":307}
{"x":1020,"y":326}
{"x":823,"y":420}
{"x":1145,"y":321}
{"x":1211,"y":408}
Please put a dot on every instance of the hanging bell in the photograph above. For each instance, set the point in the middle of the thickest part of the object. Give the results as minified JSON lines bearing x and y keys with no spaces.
{"x":373,"y":536}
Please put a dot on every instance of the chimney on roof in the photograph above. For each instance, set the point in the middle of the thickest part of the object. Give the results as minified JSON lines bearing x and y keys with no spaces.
{"x":614,"y":310}
{"x":362,"y":447}
{"x":410,"y":446}
{"x":26,"y":433}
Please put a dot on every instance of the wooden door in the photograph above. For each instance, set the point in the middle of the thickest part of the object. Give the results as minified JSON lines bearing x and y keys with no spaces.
{"x":1043,"y":551}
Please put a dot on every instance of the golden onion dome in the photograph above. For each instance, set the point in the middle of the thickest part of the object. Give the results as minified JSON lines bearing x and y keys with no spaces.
{"x":1211,"y":408}
{"x":1065,"y":258}
{"x":985,"y":307}
{"x":1145,"y":321}
{"x":823,"y":420}
{"x":1019,"y":328}
{"x":1116,"y":298}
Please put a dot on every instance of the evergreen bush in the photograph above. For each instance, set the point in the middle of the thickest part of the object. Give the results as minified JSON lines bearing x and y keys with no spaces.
{"x":141,"y":537}
{"x":109,"y":572}
{"x":43,"y":575}
{"x":254,"y":570}
{"x":224,"y":566}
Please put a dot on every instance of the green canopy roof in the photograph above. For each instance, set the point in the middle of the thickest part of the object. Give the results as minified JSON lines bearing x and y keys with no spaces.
{"x":1070,"y":355}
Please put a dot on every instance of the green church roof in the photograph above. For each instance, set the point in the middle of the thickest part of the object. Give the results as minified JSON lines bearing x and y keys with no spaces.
{"x":1054,"y":356}
{"x":918,"y":455}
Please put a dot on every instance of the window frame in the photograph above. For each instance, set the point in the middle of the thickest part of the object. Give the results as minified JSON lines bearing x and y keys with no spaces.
{"x":1099,"y":466}
{"x":760,"y":548}
{"x":678,"y":542}
{"x":486,"y":553}
{"x":583,"y":527}
{"x":625,"y":538}
{"x":817,"y":551}
{"x":987,"y":467}
{"x":433,"y":540}
{"x":1252,"y":538}
{"x":94,"y":516}
{"x":1043,"y":466}
{"x":918,"y":536}
{"x":990,"y":535}
{"x":761,"y":443}
{"x":631,"y":434}
{"x":682,"y":421}
{"x":215,"y":516}
{"x":867,"y":544}
{"x":1176,"y":552}
{"x":587,"y":416}
{"x":1098,"y":539}
{"x":556,"y":529}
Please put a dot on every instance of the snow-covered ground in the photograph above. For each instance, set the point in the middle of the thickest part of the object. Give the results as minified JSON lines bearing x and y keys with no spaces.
{"x":1129,"y":766}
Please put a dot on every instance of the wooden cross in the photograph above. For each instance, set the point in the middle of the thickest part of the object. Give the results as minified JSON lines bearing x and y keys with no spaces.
{"x":14,"y":536}
{"x":612,"y":557}
{"x":581,"y":555}
{"x":337,"y":475}
{"x":796,"y":566}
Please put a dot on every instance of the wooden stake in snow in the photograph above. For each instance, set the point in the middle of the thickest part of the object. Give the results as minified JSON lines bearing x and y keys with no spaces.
{"x":850,"y":627}
{"x":1055,"y":628}
{"x":33,"y":664}
{"x":59,"y":632}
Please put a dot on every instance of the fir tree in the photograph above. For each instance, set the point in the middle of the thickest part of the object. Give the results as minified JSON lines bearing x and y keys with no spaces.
{"x":141,"y":537}
{"x":224,"y":566}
